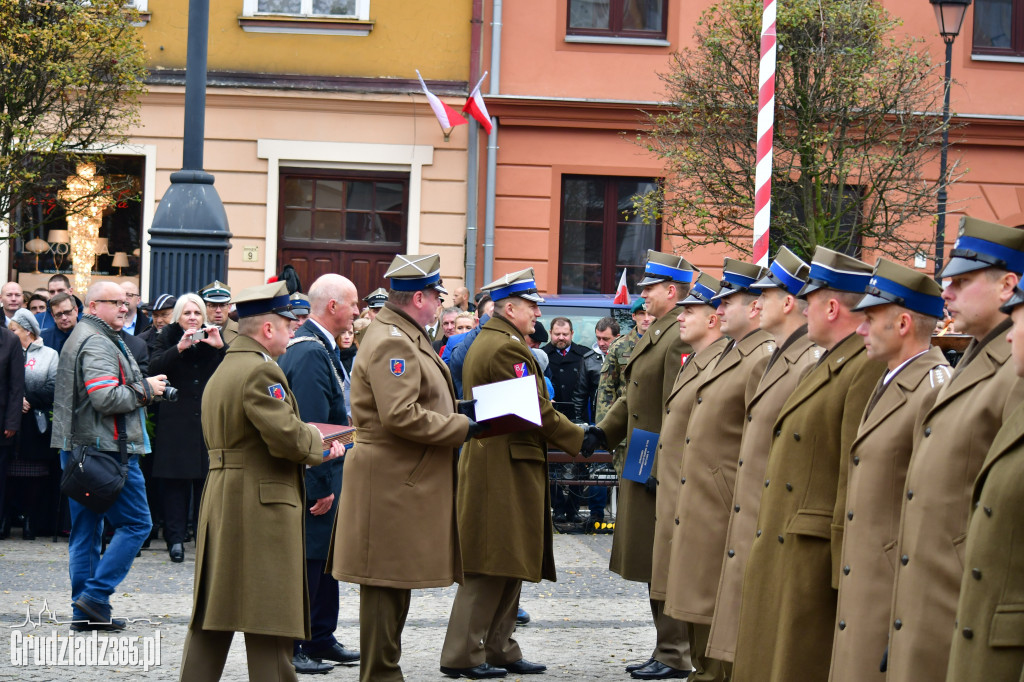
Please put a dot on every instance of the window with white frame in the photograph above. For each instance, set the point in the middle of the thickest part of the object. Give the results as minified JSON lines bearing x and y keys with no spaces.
{"x":347,"y":9}
{"x":141,"y":5}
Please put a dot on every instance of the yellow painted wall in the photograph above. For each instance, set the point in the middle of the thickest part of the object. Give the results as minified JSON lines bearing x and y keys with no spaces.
{"x":407,"y":35}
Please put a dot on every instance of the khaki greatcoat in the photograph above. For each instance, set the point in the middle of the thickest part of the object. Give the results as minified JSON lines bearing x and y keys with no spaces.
{"x":650,"y":373}
{"x":250,"y":571}
{"x":396,"y":519}
{"x":878,"y":470}
{"x":710,"y":451}
{"x":955,"y":436}
{"x":668,"y":459}
{"x":504,"y":505}
{"x":991,"y":606}
{"x":780,"y":378}
{"x":789,"y":600}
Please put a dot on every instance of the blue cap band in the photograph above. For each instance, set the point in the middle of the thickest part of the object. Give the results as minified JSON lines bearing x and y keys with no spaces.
{"x":999,"y":255}
{"x":267,"y":305}
{"x":908,"y":298}
{"x":703,"y":293}
{"x":674,"y":274}
{"x":788,"y":281}
{"x":417,"y":284}
{"x":736,"y":280}
{"x":840,"y":281}
{"x":528,"y":286}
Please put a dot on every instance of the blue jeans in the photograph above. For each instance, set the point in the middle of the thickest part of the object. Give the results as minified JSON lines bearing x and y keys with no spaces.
{"x":98,"y":576}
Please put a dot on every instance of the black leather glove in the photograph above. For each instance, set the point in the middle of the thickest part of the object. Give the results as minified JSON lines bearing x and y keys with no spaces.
{"x":651,"y":484}
{"x":468,"y":408}
{"x":593,"y":438}
{"x":475,"y":429}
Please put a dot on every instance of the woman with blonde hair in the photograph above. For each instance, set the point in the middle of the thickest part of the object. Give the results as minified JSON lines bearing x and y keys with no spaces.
{"x":188,"y":351}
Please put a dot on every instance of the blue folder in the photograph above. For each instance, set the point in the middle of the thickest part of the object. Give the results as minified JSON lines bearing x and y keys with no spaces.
{"x":640,"y":456}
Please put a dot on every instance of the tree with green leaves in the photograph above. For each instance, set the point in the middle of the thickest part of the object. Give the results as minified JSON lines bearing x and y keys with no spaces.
{"x":855,"y":125}
{"x":71,"y":73}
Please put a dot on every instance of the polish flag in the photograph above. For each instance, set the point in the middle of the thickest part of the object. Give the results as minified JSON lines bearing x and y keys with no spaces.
{"x":476,"y":108}
{"x":446,"y":116}
{"x":622,"y":294}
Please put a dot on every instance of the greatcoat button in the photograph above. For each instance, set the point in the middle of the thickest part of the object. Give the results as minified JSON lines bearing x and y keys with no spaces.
{"x":732,"y":553}
{"x":778,"y":432}
{"x":846,"y":569}
{"x":796,"y":436}
{"x":988,"y":511}
{"x":781,"y":539}
{"x":741,"y":462}
{"x":842,"y":625}
{"x":897,"y":624}
{"x":976,"y":573}
{"x":766,"y":482}
{"x":750,"y":417}
{"x":682,"y":480}
{"x":910,"y":494}
{"x":677,"y":522}
{"x":849,"y":515}
{"x":904,"y":560}
{"x":758,"y":532}
{"x":737,"y":508}
{"x":927,"y":431}
{"x":699,"y":400}
{"x":856,"y":460}
{"x":789,"y":487}
{"x":968,"y":633}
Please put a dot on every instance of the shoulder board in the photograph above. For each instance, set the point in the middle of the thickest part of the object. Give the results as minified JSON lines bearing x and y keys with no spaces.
{"x":939,"y":375}
{"x":266,"y":358}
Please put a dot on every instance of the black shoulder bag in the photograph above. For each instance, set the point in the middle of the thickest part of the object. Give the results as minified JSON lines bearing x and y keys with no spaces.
{"x":94,"y":478}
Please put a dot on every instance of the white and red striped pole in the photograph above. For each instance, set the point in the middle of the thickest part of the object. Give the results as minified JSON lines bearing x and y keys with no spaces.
{"x":765,"y":134}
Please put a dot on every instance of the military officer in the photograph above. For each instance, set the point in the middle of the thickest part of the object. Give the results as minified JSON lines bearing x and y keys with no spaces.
{"x":781,"y":315}
{"x":506,"y":534}
{"x":300,"y":308}
{"x":901,"y":308}
{"x":612,"y":383}
{"x":217,"y":297}
{"x":700,"y":328}
{"x":988,"y":640}
{"x":395,"y":528}
{"x":375,"y":301}
{"x":985,"y":265}
{"x":708,"y":454}
{"x":650,"y":375}
{"x":788,"y":605}
{"x":252,"y":503}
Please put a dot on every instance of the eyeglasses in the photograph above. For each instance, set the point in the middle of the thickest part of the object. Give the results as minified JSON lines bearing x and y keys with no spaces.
{"x":132,"y":296}
{"x":217,"y":305}
{"x":118,"y":304}
{"x":64,"y":313}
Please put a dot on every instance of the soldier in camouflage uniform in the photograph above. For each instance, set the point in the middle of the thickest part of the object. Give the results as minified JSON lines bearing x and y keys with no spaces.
{"x":613,"y":382}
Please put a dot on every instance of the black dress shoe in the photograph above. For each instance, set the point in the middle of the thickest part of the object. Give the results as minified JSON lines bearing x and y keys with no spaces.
{"x":636,"y":666}
{"x":26,"y":530}
{"x":477,"y":672}
{"x":522,"y":617}
{"x":524,"y":667}
{"x":177,"y":552}
{"x":337,"y":653}
{"x":659,"y":671}
{"x":304,"y":665}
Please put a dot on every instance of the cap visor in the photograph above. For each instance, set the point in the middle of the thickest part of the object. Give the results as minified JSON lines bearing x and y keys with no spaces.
{"x":807,"y":288}
{"x":536,"y":298}
{"x":692,"y":300}
{"x":647,"y":281}
{"x":726,"y":291}
{"x":1013,"y":302}
{"x":286,"y":314}
{"x":958,"y":266}
{"x":765,"y":282}
{"x":436,"y":286}
{"x":870,"y":301}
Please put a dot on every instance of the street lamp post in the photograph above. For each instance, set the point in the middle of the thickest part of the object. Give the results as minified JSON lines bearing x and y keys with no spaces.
{"x":950,"y":16}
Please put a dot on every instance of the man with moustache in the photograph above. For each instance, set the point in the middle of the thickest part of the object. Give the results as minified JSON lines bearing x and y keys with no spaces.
{"x":709,"y":454}
{"x":789,"y":588}
{"x":650,"y":375}
{"x":217,"y":297}
{"x":700,"y":328}
{"x":505,"y":534}
{"x":901,"y":309}
{"x":782,"y":316}
{"x":987,"y":638}
{"x":985,"y":265}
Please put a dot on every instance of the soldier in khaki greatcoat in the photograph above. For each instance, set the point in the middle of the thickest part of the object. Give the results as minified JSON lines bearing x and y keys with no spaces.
{"x":988,"y":639}
{"x":789,"y":596}
{"x":252,"y":506}
{"x":781,"y":315}
{"x":650,"y":373}
{"x":709,"y":455}
{"x":395,"y":529}
{"x":902,"y":307}
{"x":985,"y":265}
{"x":503,"y":499}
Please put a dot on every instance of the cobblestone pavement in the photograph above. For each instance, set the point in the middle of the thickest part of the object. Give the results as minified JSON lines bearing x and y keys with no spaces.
{"x":586,"y":626}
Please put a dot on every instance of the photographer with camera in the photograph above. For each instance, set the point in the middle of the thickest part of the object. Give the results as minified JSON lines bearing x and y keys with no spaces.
{"x":100,"y":399}
{"x":188,"y":352}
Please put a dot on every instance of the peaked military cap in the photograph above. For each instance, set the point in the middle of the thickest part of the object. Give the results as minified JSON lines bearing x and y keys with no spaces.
{"x":300,"y":303}
{"x":416,"y":273}
{"x":665,"y":267}
{"x":521,"y":284}
{"x":266,"y":298}
{"x":738,"y":276}
{"x":787,"y":272}
{"x":833,"y":270}
{"x":704,"y":290}
{"x":898,"y":284}
{"x":215,"y":292}
{"x":1015,"y":300}
{"x":982,"y":244}
{"x":376,"y":298}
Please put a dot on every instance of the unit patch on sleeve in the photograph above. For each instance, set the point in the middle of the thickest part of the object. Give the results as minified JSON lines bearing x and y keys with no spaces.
{"x":276,"y":391}
{"x":521,"y":369}
{"x":397,"y":366}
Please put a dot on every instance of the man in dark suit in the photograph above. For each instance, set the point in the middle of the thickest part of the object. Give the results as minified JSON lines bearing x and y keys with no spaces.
{"x":12,"y":393}
{"x":565,"y":359}
{"x":314,"y":373}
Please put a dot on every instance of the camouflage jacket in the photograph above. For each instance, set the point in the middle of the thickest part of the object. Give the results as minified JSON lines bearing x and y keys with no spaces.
{"x":613,"y":384}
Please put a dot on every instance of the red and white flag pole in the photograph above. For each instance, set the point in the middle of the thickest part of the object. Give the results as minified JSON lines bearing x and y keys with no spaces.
{"x":765,"y":135}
